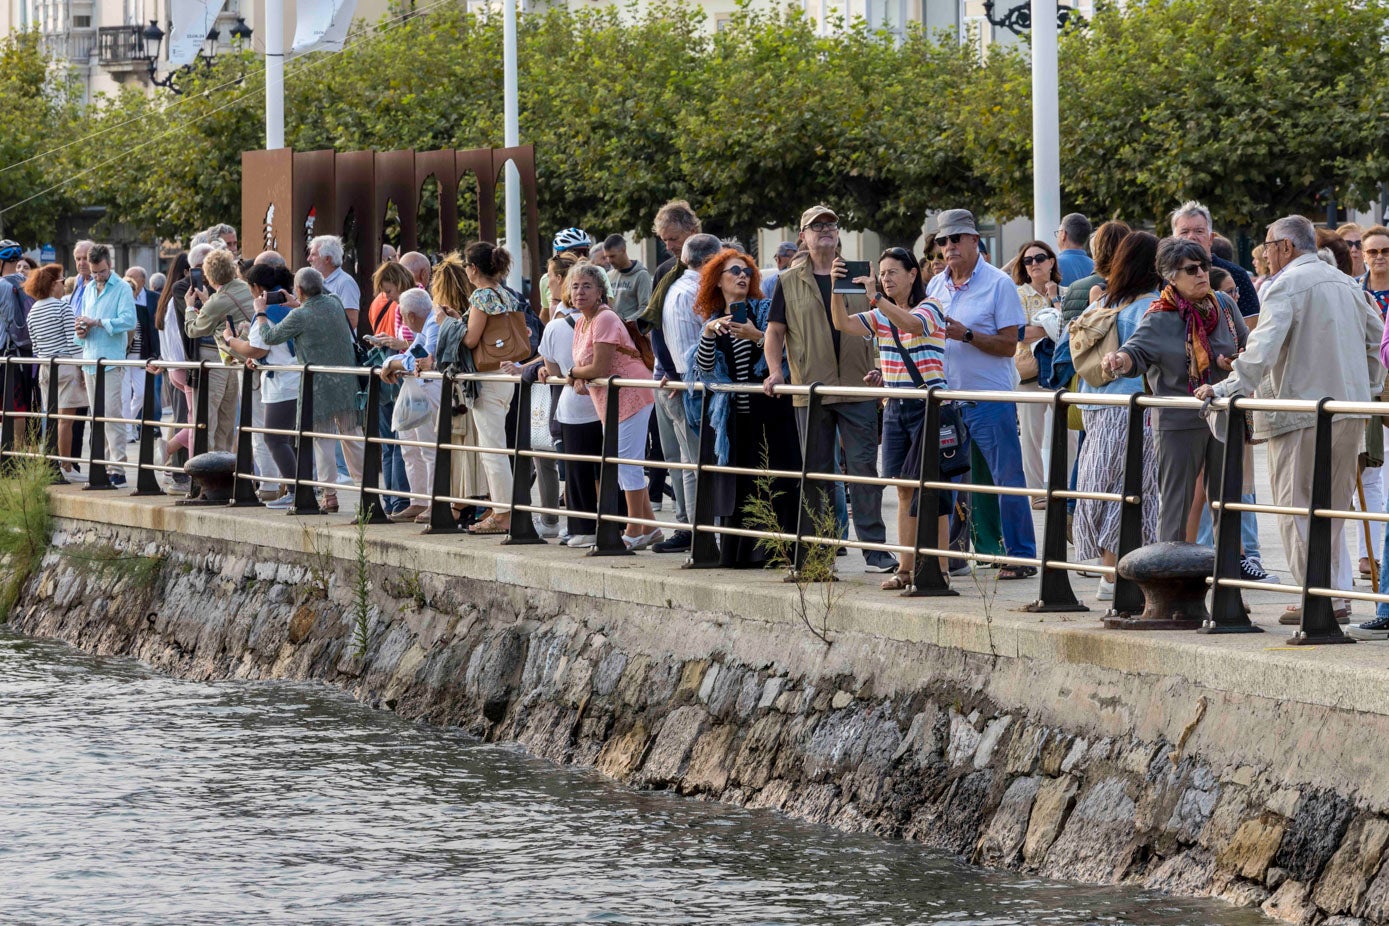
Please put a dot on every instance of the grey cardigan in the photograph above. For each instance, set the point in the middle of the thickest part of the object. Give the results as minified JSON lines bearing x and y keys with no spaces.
{"x":1158,"y":349}
{"x":321,"y":338}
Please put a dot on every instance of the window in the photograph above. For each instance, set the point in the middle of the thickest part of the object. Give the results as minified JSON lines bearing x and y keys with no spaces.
{"x":81,"y":22}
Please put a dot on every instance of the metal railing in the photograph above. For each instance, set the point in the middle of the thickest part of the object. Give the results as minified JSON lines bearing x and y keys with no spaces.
{"x":1228,"y":613}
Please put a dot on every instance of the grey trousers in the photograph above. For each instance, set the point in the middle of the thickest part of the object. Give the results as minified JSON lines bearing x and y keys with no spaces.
{"x":1182,"y":456}
{"x":856,"y":424}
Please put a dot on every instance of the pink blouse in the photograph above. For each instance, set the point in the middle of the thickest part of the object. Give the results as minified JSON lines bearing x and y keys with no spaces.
{"x":607,"y":328}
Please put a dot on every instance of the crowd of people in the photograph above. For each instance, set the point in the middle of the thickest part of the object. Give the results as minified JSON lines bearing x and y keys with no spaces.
{"x":1107,"y":311}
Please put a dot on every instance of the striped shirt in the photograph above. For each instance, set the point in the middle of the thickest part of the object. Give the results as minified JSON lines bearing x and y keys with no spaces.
{"x":927,"y":349}
{"x":51,"y":327}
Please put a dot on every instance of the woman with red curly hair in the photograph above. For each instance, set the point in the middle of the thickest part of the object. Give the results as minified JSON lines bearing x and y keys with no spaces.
{"x":749,"y":428}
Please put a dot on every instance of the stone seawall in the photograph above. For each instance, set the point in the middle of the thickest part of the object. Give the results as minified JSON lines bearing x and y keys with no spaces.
{"x":1056,"y":763}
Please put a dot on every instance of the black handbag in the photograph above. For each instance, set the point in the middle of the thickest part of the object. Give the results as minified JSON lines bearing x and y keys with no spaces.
{"x":954,"y":447}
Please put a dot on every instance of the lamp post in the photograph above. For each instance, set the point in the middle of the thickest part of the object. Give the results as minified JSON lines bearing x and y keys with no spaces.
{"x":153,"y":36}
{"x":274,"y":74}
{"x":511,"y":138}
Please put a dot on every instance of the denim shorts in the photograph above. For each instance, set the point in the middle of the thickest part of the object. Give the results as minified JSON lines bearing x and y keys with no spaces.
{"x":901,"y":420}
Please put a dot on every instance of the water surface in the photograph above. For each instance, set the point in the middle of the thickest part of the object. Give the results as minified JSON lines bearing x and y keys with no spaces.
{"x":129,"y":797}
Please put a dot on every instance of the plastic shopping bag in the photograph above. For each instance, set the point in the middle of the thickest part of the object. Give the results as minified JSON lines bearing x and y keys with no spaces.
{"x":413,"y":407}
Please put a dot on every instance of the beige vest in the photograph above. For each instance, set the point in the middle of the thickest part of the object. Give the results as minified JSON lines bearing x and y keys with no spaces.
{"x":810,"y":339}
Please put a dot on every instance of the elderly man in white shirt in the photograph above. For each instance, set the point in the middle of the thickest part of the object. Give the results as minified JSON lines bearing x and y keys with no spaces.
{"x":680,"y":327}
{"x":326,"y":256}
{"x":1317,"y":337}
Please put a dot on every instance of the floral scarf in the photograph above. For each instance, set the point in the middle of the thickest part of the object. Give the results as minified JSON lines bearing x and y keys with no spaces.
{"x":1201,"y":319}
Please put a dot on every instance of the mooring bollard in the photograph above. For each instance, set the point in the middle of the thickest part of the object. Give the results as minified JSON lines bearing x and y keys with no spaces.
{"x":215,"y":474}
{"x":1173,"y":577}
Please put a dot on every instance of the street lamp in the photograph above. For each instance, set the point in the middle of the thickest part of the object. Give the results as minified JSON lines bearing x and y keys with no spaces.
{"x":153,"y":36}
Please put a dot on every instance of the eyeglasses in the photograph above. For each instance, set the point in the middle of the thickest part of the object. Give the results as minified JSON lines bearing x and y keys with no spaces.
{"x":823,"y":226}
{"x":1376,"y":252}
{"x":1035,"y":259}
{"x":1195,"y":270}
{"x":739,"y":271}
{"x":953,"y":239}
{"x":1354,"y":243}
{"x":1270,"y":242}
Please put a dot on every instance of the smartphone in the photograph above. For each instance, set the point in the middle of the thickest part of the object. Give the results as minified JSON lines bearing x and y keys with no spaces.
{"x":195,"y":278}
{"x":738,"y":311}
{"x":846,"y":284}
{"x":277,"y":297}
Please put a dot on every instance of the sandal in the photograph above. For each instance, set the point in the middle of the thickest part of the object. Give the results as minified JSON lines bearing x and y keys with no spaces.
{"x":330,"y":503}
{"x":490,"y":525}
{"x":1016,"y":572}
{"x":899,"y":582}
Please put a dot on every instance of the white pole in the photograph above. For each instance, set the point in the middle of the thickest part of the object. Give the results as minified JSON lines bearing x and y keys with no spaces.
{"x":1046,"y":137}
{"x":511,"y":116}
{"x":274,"y":74}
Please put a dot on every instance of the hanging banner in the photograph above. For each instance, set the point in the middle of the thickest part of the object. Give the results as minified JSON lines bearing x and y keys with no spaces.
{"x":322,"y":25}
{"x":192,"y":21}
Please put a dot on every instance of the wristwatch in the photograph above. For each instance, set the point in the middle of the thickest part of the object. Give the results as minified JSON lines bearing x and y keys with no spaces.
{"x":969,"y":335}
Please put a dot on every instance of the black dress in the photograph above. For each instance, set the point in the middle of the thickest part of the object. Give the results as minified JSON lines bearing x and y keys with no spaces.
{"x":762,"y":433}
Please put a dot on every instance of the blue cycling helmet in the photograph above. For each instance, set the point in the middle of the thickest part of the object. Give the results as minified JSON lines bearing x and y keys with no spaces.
{"x":10,"y":251}
{"x":572,"y":238}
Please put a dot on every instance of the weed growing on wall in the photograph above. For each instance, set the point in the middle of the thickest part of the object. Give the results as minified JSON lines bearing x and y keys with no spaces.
{"x":25,"y":521}
{"x":361,"y":585}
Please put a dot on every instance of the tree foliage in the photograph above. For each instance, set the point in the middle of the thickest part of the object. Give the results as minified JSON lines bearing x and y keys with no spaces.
{"x":1258,"y":109}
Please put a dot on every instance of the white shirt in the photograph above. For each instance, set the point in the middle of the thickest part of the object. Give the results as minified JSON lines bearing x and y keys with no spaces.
{"x":557,"y":346}
{"x":345,"y":288}
{"x":274,"y":386}
{"x":680,"y":326}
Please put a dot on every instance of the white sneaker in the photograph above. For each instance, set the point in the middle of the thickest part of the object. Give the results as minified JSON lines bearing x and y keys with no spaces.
{"x":548,"y":531}
{"x":581,"y":540}
{"x":284,"y":502}
{"x":72,"y":475}
{"x":1105,"y":592}
{"x":642,"y":541}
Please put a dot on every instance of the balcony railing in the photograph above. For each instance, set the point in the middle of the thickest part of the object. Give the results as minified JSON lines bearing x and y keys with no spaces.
{"x":121,"y":44}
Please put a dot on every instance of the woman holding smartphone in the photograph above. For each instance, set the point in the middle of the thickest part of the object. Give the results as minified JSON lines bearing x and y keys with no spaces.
{"x":750,"y":429}
{"x":910,"y":331}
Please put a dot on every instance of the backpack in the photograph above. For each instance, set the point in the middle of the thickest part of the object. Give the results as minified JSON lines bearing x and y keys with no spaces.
{"x":1094,"y":334}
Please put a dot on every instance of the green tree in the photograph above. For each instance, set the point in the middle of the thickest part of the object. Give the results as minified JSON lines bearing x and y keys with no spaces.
{"x":1253,"y":108}
{"x":40,"y":114}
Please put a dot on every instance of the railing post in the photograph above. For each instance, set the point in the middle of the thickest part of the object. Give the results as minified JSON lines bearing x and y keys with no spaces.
{"x":50,"y":421}
{"x":608,"y":534}
{"x":7,"y":414}
{"x":97,"y":477}
{"x":522,"y":472}
{"x":370,"y":502}
{"x":1128,"y":597}
{"x":1319,"y":613}
{"x":201,"y":414}
{"x":146,"y":480}
{"x":805,"y":518}
{"x":1228,"y":612}
{"x":305,"y":501}
{"x":704,"y":546}
{"x":927,"y":579}
{"x":1055,"y":592}
{"x":243,"y":481}
{"x":441,"y":519}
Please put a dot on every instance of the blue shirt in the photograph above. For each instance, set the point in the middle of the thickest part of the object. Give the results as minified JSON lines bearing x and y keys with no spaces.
{"x":986,"y":302}
{"x":1074,"y":264}
{"x":1127,"y":323}
{"x":114,"y":308}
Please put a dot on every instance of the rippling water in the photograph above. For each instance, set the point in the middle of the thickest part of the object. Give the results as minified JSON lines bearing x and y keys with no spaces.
{"x":129,"y":797}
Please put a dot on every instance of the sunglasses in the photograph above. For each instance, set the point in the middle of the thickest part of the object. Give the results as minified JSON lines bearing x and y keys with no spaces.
{"x":1193,"y":270}
{"x":1354,"y":243}
{"x":1376,"y":252}
{"x":953,"y":239}
{"x":1035,"y":259}
{"x":739,"y":271}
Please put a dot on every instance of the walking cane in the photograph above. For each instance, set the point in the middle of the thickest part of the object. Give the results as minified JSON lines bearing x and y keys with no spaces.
{"x":1369,"y":541}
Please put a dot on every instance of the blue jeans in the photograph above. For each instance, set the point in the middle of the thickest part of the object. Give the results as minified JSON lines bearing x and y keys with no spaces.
{"x":392,"y":465}
{"x":1382,"y":609}
{"x":993,"y":426}
{"x":1248,"y":528}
